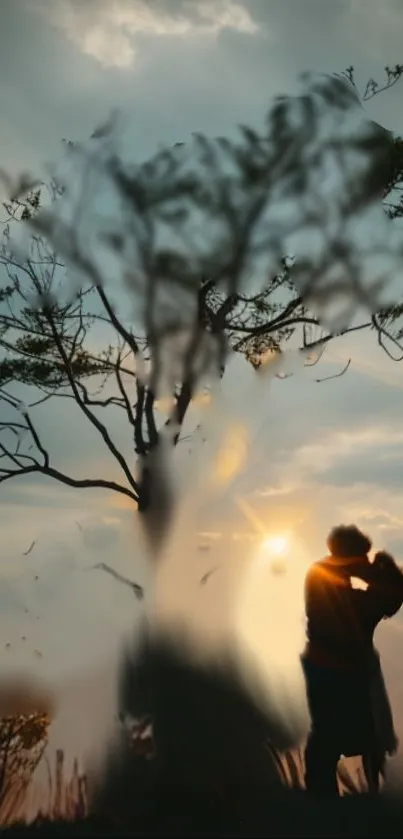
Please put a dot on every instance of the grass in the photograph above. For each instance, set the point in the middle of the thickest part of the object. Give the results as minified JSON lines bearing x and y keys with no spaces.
{"x":169,"y":809}
{"x":67,"y":799}
{"x":213,"y":774}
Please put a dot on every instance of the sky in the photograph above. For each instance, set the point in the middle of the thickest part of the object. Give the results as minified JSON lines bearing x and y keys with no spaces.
{"x":320,"y":453}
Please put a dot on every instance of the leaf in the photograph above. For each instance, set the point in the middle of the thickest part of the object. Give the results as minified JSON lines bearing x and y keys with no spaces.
{"x":250,"y":135}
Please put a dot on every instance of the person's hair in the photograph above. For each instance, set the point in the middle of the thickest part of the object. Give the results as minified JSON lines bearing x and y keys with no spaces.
{"x":348,"y":541}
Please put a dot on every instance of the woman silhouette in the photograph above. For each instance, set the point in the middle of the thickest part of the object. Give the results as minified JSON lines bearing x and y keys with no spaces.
{"x":346,"y":596}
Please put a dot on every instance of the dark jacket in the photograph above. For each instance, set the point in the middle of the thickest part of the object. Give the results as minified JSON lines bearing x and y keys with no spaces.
{"x":341,"y":620}
{"x":347,"y":696}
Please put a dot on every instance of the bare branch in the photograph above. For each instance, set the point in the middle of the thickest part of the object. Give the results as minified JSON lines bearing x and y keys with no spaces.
{"x":335,"y":375}
{"x":122,"y":389}
{"x":84,"y":483}
{"x":384,"y":334}
{"x":37,"y":441}
{"x":114,"y":320}
{"x":272,"y":326}
{"x":101,"y":428}
{"x":372,"y":87}
{"x":44,"y":467}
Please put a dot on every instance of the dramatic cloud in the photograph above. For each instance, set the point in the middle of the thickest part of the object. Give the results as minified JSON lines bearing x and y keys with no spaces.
{"x":109,"y":32}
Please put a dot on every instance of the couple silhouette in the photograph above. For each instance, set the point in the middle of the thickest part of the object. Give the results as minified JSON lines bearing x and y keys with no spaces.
{"x":346,"y":597}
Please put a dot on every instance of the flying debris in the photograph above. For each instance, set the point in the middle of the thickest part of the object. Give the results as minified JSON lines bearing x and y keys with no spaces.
{"x":38,"y":654}
{"x":25,"y":553}
{"x":138,"y":590}
{"x":7,"y":646}
{"x":106,"y":128}
{"x":207,"y":575}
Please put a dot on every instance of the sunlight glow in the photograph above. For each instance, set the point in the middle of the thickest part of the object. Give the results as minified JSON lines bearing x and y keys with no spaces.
{"x":276,"y":545}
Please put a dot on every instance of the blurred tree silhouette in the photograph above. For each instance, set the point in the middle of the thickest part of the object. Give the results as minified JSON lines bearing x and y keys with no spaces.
{"x":192,"y":303}
{"x":84,"y":349}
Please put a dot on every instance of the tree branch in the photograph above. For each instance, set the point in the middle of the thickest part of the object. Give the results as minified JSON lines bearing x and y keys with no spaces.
{"x":122,"y":389}
{"x":382,"y":334}
{"x":114,"y":320}
{"x":45,"y":467}
{"x":101,"y":428}
{"x":84,"y":483}
{"x":272,"y":326}
{"x":335,"y":375}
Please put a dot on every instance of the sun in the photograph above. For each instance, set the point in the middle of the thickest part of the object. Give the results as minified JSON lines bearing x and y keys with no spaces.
{"x":276,"y":545}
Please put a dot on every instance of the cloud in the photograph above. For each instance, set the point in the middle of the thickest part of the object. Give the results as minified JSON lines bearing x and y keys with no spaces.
{"x":204,"y":80}
{"x":109,"y":32}
{"x":364,"y":453}
{"x":380,"y":467}
{"x":221,"y":14}
{"x":307,"y":434}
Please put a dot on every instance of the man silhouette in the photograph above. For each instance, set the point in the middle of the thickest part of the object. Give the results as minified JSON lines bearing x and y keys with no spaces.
{"x":350,"y":712}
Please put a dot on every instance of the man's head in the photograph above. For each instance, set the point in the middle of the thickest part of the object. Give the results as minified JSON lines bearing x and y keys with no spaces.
{"x":348,"y":541}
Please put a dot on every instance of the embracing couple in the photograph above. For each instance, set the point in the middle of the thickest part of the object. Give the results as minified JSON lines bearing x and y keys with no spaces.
{"x":346,"y":597}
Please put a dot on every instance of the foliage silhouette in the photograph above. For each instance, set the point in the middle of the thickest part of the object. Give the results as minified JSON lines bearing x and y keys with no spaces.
{"x":194,"y":303}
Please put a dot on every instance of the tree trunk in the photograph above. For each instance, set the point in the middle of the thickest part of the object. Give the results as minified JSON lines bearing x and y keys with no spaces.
{"x":208,"y":733}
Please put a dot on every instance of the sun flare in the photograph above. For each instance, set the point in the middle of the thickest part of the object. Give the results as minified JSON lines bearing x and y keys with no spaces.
{"x":276,"y":545}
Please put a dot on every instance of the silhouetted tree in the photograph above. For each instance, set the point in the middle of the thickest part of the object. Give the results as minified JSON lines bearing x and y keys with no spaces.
{"x":55,"y":349}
